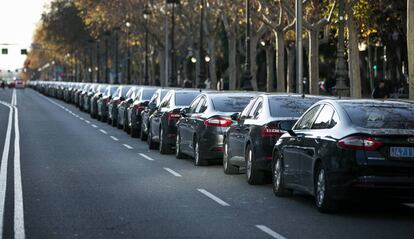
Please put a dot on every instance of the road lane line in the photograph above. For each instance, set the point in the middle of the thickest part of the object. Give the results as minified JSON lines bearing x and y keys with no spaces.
{"x":114,"y":138}
{"x":213,"y":197}
{"x":173,"y":172}
{"x":4,"y":165}
{"x":270,"y":232}
{"x":19,"y":231}
{"x":103,"y":131}
{"x":87,"y":121}
{"x":127,"y":146}
{"x":81,"y":118}
{"x":95,"y":126}
{"x":146,"y":157}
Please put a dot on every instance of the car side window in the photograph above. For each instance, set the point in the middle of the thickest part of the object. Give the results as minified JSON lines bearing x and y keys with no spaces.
{"x":201,"y":107}
{"x":258,"y":103}
{"x":166,"y":102}
{"x":308,"y":118}
{"x":258,"y":110}
{"x":323,"y":121}
{"x":193,"y":106}
{"x":245,"y":112}
{"x":334,"y":120}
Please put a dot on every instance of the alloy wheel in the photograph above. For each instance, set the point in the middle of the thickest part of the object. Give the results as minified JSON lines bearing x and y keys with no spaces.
{"x":249,"y":164}
{"x":277,"y":173}
{"x":320,"y":188}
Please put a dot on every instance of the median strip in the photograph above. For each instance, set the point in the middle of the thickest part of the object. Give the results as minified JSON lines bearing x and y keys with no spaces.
{"x":173,"y":172}
{"x":213,"y":197}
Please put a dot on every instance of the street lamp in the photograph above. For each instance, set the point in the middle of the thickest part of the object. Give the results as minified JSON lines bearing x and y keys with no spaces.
{"x":202,"y":73}
{"x":116,"y":30}
{"x":247,"y":75}
{"x":340,"y":69}
{"x":107,"y":34}
{"x":146,"y":13}
{"x":173,"y":60}
{"x":128,"y":25}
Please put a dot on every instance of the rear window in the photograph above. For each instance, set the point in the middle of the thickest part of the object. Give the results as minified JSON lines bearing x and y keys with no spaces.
{"x":185,"y":98}
{"x":230,"y":103}
{"x":147,"y":94}
{"x":379,"y":116}
{"x":113,"y":90}
{"x":290,"y":107}
{"x":125,"y":90}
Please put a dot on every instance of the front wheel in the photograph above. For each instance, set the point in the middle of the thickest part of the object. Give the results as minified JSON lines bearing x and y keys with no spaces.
{"x":227,"y":166}
{"x":198,"y":159}
{"x":323,"y":200}
{"x":278,"y":183}
{"x":254,"y":175}
{"x":142,"y":135}
{"x":163,"y":148}
{"x":151,"y":143}
{"x":178,"y":153}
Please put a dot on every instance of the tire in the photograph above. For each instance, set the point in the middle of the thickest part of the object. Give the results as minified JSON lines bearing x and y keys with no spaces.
{"x":278,"y":184}
{"x":178,"y":153}
{"x":227,"y":166}
{"x":323,"y":200}
{"x":151,"y":143}
{"x":142,"y":134}
{"x":134,"y":133}
{"x":163,"y":147}
{"x":254,"y":176}
{"x":198,"y":159}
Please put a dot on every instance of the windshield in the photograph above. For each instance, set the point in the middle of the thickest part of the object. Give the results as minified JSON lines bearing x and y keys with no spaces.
{"x":376,"y":116}
{"x":185,"y":98}
{"x":230,"y":103}
{"x":289,"y":106}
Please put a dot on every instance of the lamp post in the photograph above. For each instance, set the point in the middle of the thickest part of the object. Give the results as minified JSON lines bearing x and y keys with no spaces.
{"x":202,"y":73}
{"x":173,"y":76}
{"x":146,"y":13}
{"x":247,"y":75}
{"x":107,"y":34}
{"x":299,"y":44}
{"x":340,"y":68}
{"x":128,"y":25}
{"x":116,"y":30}
{"x":90,"y":41}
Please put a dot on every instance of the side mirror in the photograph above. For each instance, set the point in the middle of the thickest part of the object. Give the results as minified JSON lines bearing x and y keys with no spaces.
{"x":235,"y":116}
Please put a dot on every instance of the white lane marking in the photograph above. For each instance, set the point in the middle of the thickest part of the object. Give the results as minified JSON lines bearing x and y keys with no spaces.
{"x":87,"y":121}
{"x":4,"y":165}
{"x":146,"y":157}
{"x":127,"y":146}
{"x":270,"y":232}
{"x":95,"y":126}
{"x":19,"y":231}
{"x":213,"y":197}
{"x":114,"y":138}
{"x":173,"y":172}
{"x":103,"y":131}
{"x":77,"y":116}
{"x":81,"y":118}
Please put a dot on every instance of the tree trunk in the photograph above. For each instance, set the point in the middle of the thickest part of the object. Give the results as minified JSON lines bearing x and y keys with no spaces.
{"x":313,"y":62}
{"x":280,"y":61}
{"x":161,"y":60}
{"x":410,"y":46}
{"x":270,"y":68}
{"x":212,"y":64}
{"x":232,"y":70}
{"x":354,"y":61}
{"x":291,"y":53}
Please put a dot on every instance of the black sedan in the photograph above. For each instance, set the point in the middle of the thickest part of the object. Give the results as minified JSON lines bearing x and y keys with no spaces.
{"x":348,"y":149}
{"x":94,"y":100}
{"x":103,"y":102}
{"x":249,"y":142}
{"x":122,"y":120}
{"x":201,"y":131}
{"x":162,"y":123}
{"x":153,"y":104}
{"x":135,"y":110}
{"x":118,"y":96}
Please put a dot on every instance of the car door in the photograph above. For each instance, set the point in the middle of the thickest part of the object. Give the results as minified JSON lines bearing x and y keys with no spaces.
{"x":235,"y":141}
{"x":156,"y":116}
{"x":185,"y":130}
{"x":317,"y":141}
{"x":293,"y":150}
{"x":246,"y":127}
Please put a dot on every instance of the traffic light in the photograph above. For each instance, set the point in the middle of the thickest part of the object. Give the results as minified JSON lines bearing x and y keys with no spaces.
{"x":374,"y":67}
{"x":23,"y":52}
{"x":4,"y":51}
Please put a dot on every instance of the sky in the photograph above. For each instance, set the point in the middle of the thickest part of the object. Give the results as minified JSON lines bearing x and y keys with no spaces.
{"x":18,"y":19}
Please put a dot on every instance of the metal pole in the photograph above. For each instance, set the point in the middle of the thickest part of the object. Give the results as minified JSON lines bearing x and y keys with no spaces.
{"x":341,"y":71}
{"x":98,"y":63}
{"x":167,"y":53}
{"x":106,"y":57}
{"x":247,"y":76}
{"x":173,"y":63}
{"x":116,"y":58}
{"x":299,"y":45}
{"x":202,"y":73}
{"x":146,"y":82}
{"x":128,"y":60}
{"x":90,"y":61}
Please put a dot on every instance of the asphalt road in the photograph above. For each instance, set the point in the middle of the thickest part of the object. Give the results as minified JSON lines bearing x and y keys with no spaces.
{"x":85,"y":179}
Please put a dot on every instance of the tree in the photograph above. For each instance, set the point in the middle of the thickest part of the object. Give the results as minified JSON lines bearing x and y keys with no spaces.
{"x":410,"y":44}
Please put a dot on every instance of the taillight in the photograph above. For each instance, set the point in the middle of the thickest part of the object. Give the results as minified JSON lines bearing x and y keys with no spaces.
{"x":270,"y":131}
{"x":172,"y":116}
{"x":218,"y":122}
{"x":359,"y":143}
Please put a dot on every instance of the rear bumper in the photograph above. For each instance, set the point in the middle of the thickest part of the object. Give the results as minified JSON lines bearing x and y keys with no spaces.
{"x":212,"y":145}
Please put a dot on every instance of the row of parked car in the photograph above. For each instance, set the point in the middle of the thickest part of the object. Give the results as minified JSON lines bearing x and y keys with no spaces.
{"x":333,"y":149}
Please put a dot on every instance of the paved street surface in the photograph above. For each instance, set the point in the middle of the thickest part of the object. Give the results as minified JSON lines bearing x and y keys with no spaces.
{"x":85,"y":179}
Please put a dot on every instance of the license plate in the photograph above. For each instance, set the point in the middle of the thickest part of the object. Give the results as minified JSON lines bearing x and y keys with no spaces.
{"x":402,"y":152}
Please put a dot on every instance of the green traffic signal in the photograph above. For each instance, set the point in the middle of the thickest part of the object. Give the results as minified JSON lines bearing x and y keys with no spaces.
{"x":375,"y":67}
